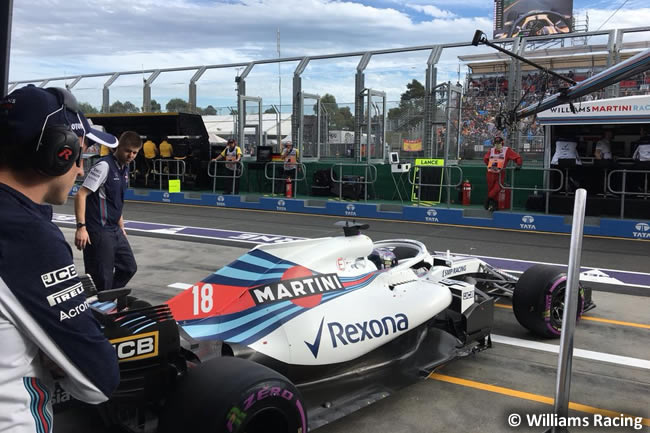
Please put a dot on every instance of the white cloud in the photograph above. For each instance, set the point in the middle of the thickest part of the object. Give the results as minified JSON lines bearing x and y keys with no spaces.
{"x":431,"y":11}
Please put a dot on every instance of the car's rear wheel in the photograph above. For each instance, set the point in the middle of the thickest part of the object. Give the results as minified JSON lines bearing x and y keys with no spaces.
{"x":538,"y":300}
{"x":233,"y":395}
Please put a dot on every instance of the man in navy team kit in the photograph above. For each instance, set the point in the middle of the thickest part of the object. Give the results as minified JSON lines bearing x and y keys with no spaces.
{"x":108,"y":257}
{"x":46,"y":327}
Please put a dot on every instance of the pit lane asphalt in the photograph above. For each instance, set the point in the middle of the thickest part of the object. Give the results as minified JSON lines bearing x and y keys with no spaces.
{"x":468,"y":395}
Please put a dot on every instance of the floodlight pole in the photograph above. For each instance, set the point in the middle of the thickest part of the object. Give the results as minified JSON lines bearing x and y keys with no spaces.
{"x":6,"y":12}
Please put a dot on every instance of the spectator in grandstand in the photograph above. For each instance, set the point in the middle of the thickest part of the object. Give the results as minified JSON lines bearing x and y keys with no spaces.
{"x":233,"y":154}
{"x":497,"y":159}
{"x":46,"y":328}
{"x":108,"y":257}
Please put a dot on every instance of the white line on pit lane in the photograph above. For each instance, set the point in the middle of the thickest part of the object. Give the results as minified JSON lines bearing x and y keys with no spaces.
{"x":578,"y":353}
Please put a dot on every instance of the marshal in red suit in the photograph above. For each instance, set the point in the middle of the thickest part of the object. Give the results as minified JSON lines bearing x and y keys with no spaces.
{"x":497,"y":159}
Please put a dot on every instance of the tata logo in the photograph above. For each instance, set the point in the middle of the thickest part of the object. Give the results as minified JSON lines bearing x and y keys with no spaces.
{"x":58,"y":276}
{"x":431,"y":216}
{"x":134,"y":347}
{"x":166,"y":197}
{"x":221,"y":200}
{"x":342,"y":334}
{"x":527,"y":222}
{"x":642,"y":231}
{"x":350,"y":210}
{"x":281,"y":205}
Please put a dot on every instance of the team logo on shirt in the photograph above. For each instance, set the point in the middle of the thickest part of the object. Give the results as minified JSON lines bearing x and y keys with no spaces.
{"x":58,"y":276}
{"x":65,"y":294}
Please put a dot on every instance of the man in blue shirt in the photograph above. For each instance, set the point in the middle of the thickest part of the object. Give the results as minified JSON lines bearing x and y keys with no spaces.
{"x":46,"y":326}
{"x":108,"y":257}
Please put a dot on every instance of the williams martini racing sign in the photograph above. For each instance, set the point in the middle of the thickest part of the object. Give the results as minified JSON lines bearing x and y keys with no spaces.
{"x":631,"y":109}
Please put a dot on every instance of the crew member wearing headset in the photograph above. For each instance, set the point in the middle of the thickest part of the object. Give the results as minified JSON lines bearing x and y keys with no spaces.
{"x":497,"y":159}
{"x":47,"y":330}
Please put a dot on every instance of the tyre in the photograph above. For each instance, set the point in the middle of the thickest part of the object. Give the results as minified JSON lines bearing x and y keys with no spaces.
{"x":233,"y":395}
{"x":538,"y":300}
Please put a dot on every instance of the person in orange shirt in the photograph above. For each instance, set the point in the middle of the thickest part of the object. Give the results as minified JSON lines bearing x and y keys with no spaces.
{"x":497,"y":159}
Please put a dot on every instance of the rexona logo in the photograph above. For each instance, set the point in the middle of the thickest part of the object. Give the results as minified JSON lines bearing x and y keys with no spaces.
{"x":642,"y":231}
{"x":295,"y":288}
{"x":350,"y":210}
{"x":342,"y":334}
{"x":136,"y":347}
{"x":281,"y":205}
{"x":221,"y":200}
{"x":431,"y":216}
{"x":527,"y":222}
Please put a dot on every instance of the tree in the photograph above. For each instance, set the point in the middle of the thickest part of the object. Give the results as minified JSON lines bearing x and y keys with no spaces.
{"x":86,"y":108}
{"x":155,"y":106}
{"x":210,"y":111}
{"x":411,"y":105}
{"x":269,"y":110}
{"x":176,"y":105}
{"x":126,"y":107}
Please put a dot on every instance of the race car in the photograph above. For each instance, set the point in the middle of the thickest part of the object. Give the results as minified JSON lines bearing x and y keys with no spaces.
{"x":307,"y":330}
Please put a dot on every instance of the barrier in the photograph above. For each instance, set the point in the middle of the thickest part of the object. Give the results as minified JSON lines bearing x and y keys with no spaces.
{"x":367,"y":180}
{"x":300,"y":170}
{"x":234,"y":174}
{"x":158,"y":169}
{"x":446,"y":169}
{"x":645,"y":194}
{"x":546,"y":191}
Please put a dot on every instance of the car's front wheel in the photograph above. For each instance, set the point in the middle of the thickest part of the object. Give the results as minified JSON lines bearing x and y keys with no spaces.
{"x":538,"y":300}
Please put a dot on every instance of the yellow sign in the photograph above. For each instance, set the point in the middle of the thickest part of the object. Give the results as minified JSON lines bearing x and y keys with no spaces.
{"x":412,"y":145}
{"x":174,"y":185}
{"x":430,"y":161}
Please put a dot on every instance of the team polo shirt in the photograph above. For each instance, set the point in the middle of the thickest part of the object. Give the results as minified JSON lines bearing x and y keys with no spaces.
{"x":166,"y":149}
{"x":642,"y":153}
{"x":565,"y":150}
{"x":44,"y":314}
{"x":108,"y":182}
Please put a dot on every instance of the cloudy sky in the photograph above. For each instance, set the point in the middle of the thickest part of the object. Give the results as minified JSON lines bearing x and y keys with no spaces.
{"x":55,"y":38}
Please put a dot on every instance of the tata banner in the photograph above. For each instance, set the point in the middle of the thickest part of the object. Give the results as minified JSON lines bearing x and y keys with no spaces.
{"x":630,"y":109}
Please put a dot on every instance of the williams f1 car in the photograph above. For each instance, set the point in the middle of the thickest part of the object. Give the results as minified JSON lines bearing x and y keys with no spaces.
{"x":311,"y":329}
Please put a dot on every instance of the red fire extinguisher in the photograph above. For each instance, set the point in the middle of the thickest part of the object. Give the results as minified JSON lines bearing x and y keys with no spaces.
{"x":504,"y":198}
{"x":288,"y":188}
{"x":467,"y":192}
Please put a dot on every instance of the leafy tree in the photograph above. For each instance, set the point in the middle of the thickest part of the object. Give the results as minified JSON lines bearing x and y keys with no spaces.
{"x":155,"y":106}
{"x":177,"y":105}
{"x":130,"y":108}
{"x":116,"y":107}
{"x":411,"y":105}
{"x":126,"y":107}
{"x":269,"y":110}
{"x":210,"y":111}
{"x":340,"y":118}
{"x":86,"y":108}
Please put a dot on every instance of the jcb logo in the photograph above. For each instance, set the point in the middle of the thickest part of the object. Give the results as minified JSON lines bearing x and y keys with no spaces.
{"x":136,"y":347}
{"x":60,"y":275}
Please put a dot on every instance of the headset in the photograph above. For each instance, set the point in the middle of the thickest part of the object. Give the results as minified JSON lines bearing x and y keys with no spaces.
{"x":58,"y":146}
